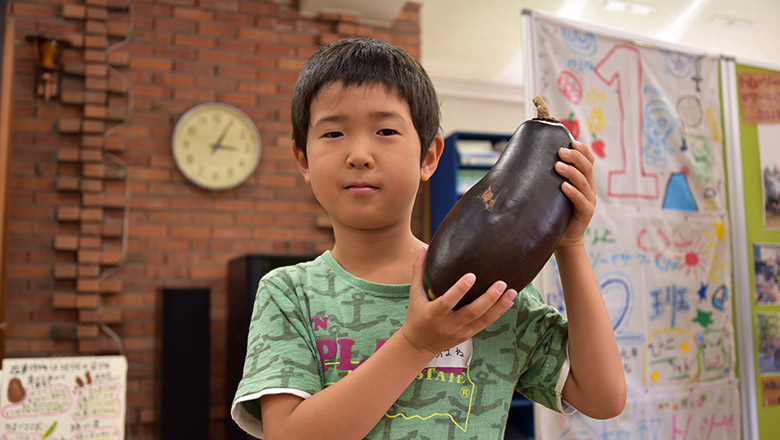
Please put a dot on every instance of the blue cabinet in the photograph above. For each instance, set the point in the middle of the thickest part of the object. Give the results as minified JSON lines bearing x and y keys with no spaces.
{"x":466,"y":158}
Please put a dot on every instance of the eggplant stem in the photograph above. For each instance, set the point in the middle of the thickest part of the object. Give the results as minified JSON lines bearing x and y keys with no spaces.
{"x":542,"y":111}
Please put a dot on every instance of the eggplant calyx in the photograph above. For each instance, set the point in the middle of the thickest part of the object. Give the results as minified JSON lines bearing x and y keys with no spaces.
{"x":542,"y":112}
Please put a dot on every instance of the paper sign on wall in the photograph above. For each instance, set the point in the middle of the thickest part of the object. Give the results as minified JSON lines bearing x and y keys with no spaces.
{"x":759,"y":94}
{"x":75,"y":398}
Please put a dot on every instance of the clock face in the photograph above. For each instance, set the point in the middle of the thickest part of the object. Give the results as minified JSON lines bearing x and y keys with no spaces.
{"x":216,"y":146}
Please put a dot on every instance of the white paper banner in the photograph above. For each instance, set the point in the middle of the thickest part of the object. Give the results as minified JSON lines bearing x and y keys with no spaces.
{"x":659,"y":242}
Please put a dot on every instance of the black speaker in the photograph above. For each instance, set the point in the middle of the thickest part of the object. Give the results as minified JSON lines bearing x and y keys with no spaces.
{"x":185,"y":335}
{"x":244,"y":275}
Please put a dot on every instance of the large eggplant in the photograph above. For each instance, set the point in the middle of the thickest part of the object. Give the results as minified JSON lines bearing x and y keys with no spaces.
{"x":509,"y":223}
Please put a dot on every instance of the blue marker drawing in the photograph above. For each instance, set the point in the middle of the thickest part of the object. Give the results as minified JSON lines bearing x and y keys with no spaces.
{"x":678,"y":194}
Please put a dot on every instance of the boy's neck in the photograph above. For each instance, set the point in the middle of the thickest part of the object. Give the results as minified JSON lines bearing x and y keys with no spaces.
{"x":380,"y":257}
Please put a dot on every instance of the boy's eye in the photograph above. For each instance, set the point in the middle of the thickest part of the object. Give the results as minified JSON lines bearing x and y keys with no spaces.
{"x":332,"y":135}
{"x":386,"y":132}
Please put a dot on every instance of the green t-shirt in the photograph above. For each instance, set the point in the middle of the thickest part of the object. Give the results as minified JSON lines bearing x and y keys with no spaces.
{"x":314,"y":322}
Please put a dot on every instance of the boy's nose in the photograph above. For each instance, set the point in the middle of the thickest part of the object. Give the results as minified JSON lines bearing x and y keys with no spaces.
{"x":360,"y":155}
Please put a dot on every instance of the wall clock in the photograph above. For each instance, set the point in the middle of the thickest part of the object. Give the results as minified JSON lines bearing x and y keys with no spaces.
{"x":216,"y":146}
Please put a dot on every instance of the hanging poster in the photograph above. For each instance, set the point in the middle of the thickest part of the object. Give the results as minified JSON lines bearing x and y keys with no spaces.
{"x":659,"y":241}
{"x":767,"y":271}
{"x":768,"y":327}
{"x":769,"y":155}
{"x":79,"y":398}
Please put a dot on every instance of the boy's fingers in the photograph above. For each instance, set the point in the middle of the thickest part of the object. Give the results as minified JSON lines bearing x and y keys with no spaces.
{"x":585,"y":150}
{"x":452,"y":296}
{"x":479,"y":307}
{"x":500,"y":307}
{"x":578,"y":171}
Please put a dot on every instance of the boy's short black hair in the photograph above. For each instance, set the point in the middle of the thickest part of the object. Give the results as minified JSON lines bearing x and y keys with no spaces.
{"x":366,"y":61}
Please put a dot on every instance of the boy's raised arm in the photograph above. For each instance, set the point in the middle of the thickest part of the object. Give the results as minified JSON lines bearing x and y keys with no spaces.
{"x":351,"y":407}
{"x":596,"y":384}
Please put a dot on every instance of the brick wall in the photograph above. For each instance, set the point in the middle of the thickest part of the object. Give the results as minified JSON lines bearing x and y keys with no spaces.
{"x":82,"y":164}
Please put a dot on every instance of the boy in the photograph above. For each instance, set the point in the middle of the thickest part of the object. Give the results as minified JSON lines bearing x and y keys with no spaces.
{"x":348,"y":346}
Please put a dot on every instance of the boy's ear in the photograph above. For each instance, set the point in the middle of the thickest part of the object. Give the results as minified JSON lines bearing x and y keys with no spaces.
{"x":431,"y":159}
{"x":303,"y":164}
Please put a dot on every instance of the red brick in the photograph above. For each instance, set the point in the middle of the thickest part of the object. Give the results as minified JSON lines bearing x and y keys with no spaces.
{"x":74,"y":11}
{"x":87,"y":331}
{"x":65,"y":271}
{"x":193,"y":14}
{"x":156,"y":64}
{"x":96,"y":70}
{"x":37,"y":11}
{"x":96,"y":84}
{"x":88,"y":285}
{"x":96,"y":41}
{"x":68,"y":155}
{"x":67,"y":183}
{"x":91,"y":214}
{"x":93,"y":170}
{"x":71,"y":96}
{"x":111,"y":257}
{"x":115,"y":144}
{"x":91,"y":185}
{"x":119,"y":58}
{"x":97,"y":13}
{"x":255,"y":34}
{"x":95,"y":96}
{"x":64,"y":300}
{"x":95,"y":111}
{"x":118,"y":30}
{"x":69,"y":125}
{"x":239,"y":99}
{"x":111,"y":230}
{"x":89,"y":242}
{"x":111,"y":286}
{"x":90,"y":228}
{"x":88,"y":301}
{"x":92,"y":141}
{"x":258,"y":87}
{"x":88,"y":270}
{"x":66,"y":242}
{"x":175,"y":25}
{"x":217,"y":29}
{"x":207,"y":272}
{"x":92,"y":126}
{"x":194,"y":41}
{"x":97,"y":27}
{"x":28,"y":271}
{"x":91,"y":200}
{"x":68,"y":213}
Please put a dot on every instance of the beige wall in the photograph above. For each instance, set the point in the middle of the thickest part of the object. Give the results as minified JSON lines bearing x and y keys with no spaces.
{"x":479,"y":107}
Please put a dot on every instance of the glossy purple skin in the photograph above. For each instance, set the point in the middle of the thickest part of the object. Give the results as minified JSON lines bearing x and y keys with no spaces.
{"x":509,"y":223}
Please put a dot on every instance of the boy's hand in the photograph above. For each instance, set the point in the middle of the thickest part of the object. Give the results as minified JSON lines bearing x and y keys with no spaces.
{"x":433,"y":326}
{"x":576,"y":166}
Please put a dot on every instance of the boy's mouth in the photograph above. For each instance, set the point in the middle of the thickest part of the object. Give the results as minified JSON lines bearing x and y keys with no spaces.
{"x":361,"y":188}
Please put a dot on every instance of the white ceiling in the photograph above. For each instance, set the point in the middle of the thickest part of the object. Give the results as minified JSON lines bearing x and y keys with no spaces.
{"x":479,"y":41}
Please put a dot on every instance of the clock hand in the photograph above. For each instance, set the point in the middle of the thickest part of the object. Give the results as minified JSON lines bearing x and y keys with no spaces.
{"x":228,"y":147}
{"x":218,"y":144}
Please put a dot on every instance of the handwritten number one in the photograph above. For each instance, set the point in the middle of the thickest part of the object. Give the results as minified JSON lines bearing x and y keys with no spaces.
{"x":622,"y":68}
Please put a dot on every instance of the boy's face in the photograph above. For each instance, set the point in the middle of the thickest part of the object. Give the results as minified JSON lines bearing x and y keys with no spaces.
{"x":364,"y":156}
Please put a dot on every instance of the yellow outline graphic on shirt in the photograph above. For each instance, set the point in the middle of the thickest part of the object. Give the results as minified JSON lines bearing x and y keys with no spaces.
{"x":468,"y":413}
{"x":405,"y":417}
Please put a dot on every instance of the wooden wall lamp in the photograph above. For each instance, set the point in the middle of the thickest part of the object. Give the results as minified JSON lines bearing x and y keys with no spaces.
{"x":48,"y":67}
